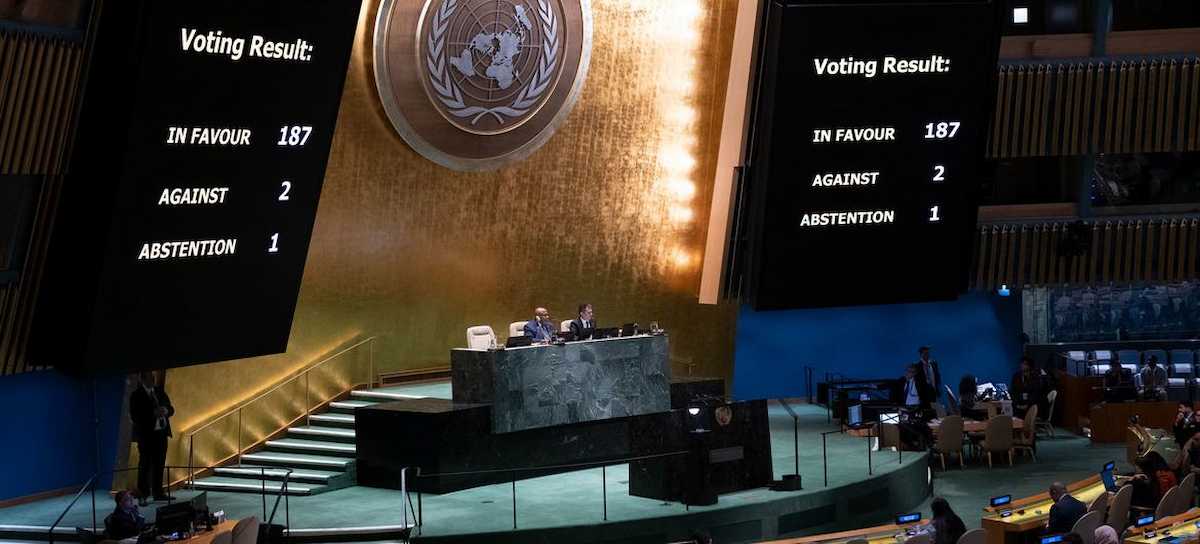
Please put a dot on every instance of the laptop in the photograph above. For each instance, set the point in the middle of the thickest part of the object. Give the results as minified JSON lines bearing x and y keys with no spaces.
{"x":1108,"y":477}
{"x":518,"y":341}
{"x":854,"y":416}
{"x":600,"y":334}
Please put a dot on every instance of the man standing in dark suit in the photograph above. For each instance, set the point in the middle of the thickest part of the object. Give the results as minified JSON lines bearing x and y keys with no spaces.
{"x":582,"y":327}
{"x":541,"y":328}
{"x":1065,"y":511}
{"x":929,"y":378}
{"x":150,"y":409}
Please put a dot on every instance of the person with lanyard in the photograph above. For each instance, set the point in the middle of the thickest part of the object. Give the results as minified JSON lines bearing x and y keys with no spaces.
{"x":1185,"y":423}
{"x":150,"y":410}
{"x":1028,"y":387}
{"x":911,"y":391}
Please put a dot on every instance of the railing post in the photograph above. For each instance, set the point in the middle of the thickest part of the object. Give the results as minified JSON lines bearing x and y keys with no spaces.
{"x":263,"y":480}
{"x":191,"y":460}
{"x":824,"y":459}
{"x":869,"y":467}
{"x":92,"y":492}
{"x":604,"y":490}
{"x":514,"y":498}
{"x":307,"y":398}
{"x":404,"y":494}
{"x":239,"y":433}
{"x":371,"y":362}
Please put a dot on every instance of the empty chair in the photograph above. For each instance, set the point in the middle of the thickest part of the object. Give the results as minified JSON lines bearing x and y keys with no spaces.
{"x":974,"y":536}
{"x":516,"y":328}
{"x":1167,"y":504}
{"x":951,"y":400}
{"x":1183,"y":357}
{"x":1118,"y":508}
{"x":1178,"y":374}
{"x":1102,"y":355}
{"x":1098,"y":369}
{"x":245,"y":531}
{"x":1086,"y":526}
{"x":1099,"y":504}
{"x":1187,"y":493}
{"x":1044,"y":424}
{"x":565,"y":325}
{"x":481,"y":337}
{"x":998,"y":437}
{"x":1027,"y":436}
{"x":950,"y":439}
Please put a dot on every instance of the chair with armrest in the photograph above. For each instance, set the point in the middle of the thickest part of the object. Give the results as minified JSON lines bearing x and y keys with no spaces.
{"x":974,"y":536}
{"x":565,"y":325}
{"x":245,"y":531}
{"x":1027,"y":436}
{"x":998,"y":437}
{"x":481,"y":337}
{"x":1166,"y":505}
{"x":516,"y":328}
{"x":1044,"y":424}
{"x":1187,"y":493}
{"x":1099,"y":504}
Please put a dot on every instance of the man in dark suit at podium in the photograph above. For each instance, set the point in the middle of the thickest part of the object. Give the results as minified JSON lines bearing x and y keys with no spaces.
{"x":583,"y":326}
{"x":929,"y":378}
{"x":150,"y":409}
{"x":541,"y":328}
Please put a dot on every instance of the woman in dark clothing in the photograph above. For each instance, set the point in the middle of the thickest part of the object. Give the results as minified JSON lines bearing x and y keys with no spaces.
{"x":947,"y":526}
{"x":968,"y":389}
{"x":1152,"y":480}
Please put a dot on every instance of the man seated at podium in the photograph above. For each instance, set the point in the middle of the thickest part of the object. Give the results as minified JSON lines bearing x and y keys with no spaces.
{"x":1117,"y":376}
{"x":1154,"y":380}
{"x":583,"y":326}
{"x":541,"y":328}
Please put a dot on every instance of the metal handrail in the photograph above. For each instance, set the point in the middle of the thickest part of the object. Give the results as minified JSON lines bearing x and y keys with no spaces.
{"x":87,"y":485}
{"x":308,"y":408}
{"x":589,"y":464}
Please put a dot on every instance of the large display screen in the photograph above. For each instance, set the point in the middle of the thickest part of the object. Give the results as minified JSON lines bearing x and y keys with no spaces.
{"x":204,"y":136}
{"x":871,"y":121}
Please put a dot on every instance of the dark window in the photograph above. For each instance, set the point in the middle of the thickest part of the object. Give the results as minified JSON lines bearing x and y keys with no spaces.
{"x":1153,"y":14}
{"x":1146,"y":179}
{"x":1034,"y":180}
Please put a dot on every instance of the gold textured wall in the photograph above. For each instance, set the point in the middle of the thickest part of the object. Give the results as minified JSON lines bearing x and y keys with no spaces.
{"x":606,"y":212}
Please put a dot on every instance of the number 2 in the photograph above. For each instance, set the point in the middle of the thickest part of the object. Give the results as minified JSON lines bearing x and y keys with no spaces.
{"x":287,"y":188}
{"x":939,"y":172}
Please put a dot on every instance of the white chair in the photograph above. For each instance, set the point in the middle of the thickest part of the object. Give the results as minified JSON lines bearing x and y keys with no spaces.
{"x":950,"y":439}
{"x":974,"y":536}
{"x":516,"y":328}
{"x":998,"y":437}
{"x":245,"y":531}
{"x":1118,"y":509}
{"x":1086,"y":526}
{"x":481,"y":337}
{"x":565,"y":326}
{"x":1166,"y":505}
{"x":1099,"y":504}
{"x":1187,"y":493}
{"x":1044,"y":424}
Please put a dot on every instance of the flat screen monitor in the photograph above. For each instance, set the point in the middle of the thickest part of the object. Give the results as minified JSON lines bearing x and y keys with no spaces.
{"x":854,"y":415}
{"x":1002,"y":500}
{"x":1144,"y":521}
{"x":1051,"y":539}
{"x":1108,"y":477}
{"x":903,"y":519}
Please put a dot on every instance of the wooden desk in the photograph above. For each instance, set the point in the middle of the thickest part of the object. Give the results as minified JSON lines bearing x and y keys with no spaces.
{"x":207,"y":537}
{"x":1030,"y":513}
{"x":1182,"y":526}
{"x":973,"y":426}
{"x":1110,"y":419}
{"x":997,"y":407}
{"x":883,"y":534}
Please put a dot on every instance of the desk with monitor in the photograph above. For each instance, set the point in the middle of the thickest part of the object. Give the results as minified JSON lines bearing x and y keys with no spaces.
{"x":1010,"y":522}
{"x":905,"y":527}
{"x":1181,"y":527}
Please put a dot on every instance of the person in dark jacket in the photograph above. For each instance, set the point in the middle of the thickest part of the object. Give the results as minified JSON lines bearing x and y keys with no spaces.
{"x":1028,"y":387}
{"x":1185,"y":423}
{"x":150,"y":409}
{"x":968,"y":391}
{"x":125,"y":521}
{"x":947,"y":526}
{"x":1065,"y":511}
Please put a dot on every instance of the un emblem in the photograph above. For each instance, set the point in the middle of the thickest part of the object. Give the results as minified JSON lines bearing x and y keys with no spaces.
{"x":477,"y":84}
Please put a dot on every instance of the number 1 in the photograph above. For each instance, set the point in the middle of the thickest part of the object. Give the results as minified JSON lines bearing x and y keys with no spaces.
{"x":274,"y":248}
{"x":933,"y":215}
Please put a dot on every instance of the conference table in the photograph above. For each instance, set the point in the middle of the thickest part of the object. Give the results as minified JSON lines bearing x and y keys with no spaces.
{"x":974,"y":426}
{"x":882,"y":534}
{"x":1181,"y":526}
{"x":1028,"y":515}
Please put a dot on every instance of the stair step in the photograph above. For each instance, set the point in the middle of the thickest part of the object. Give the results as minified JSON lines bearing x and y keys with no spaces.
{"x":333,"y":419}
{"x":312,"y":446}
{"x":383,"y":395}
{"x":294,"y":460}
{"x":348,"y":406}
{"x":332,"y":434}
{"x":220,"y":483}
{"x":254,"y":472}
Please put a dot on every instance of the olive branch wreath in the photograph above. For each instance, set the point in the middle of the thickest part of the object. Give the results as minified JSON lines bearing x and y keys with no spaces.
{"x":451,"y":96}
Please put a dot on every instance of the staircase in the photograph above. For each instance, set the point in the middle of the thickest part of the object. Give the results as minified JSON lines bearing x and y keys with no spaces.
{"x":320,"y":454}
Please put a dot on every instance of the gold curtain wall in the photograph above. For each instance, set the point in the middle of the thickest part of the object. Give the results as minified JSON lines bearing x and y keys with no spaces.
{"x":1118,"y":106}
{"x":606,"y":212}
{"x":1118,"y":250}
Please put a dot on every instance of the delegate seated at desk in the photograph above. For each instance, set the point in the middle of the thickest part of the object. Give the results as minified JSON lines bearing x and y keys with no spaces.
{"x":583,"y":326}
{"x":541,"y":327}
{"x":1154,"y":380}
{"x":125,"y":521}
{"x":1116,"y":376}
{"x":1065,"y":511}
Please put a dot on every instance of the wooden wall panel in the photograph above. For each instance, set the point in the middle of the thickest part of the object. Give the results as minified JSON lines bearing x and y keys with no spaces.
{"x":1156,"y":249}
{"x":1097,"y":106}
{"x":39,"y":76}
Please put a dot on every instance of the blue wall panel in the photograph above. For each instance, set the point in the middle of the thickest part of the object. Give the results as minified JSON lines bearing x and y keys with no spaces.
{"x":47,"y":430}
{"x":978,"y":333}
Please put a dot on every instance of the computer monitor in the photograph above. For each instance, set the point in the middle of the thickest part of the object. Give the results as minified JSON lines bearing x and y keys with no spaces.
{"x":1051,"y":539}
{"x":518,"y":341}
{"x":1002,"y":500}
{"x":1144,"y":520}
{"x":177,"y":517}
{"x":629,"y":329}
{"x":854,"y":415}
{"x":903,"y":519}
